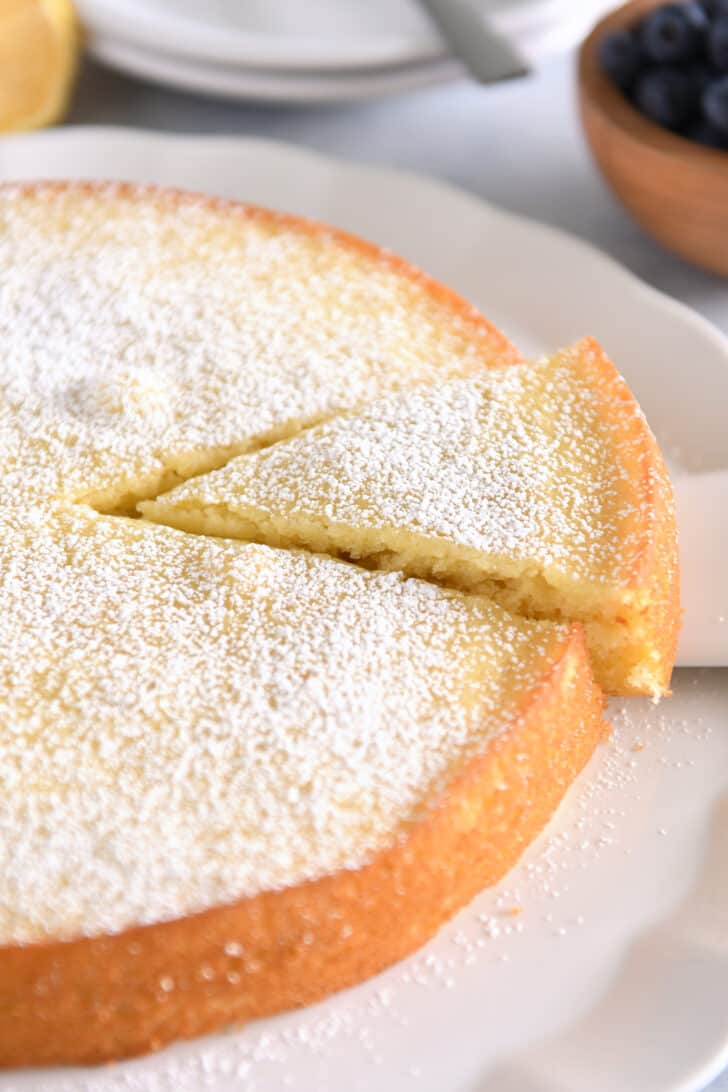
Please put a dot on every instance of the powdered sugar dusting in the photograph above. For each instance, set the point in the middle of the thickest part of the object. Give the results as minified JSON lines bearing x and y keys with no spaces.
{"x":526,"y":464}
{"x":157,"y":689}
{"x":584,"y":901}
{"x":164,"y":695}
{"x":138,"y":333}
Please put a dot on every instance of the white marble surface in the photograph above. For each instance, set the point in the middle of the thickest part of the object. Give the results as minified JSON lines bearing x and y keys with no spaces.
{"x":517,"y":144}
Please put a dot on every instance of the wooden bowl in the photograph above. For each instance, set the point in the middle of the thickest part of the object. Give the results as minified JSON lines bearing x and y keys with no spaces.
{"x":677,"y":190}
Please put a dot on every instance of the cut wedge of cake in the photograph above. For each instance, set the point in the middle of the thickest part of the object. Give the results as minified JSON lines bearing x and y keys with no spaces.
{"x":540,"y":485}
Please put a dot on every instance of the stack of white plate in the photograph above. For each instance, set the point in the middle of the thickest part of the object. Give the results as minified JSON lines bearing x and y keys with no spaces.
{"x":308,"y":50}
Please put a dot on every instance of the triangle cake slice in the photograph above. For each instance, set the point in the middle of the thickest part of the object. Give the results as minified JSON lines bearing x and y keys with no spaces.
{"x":539,"y":484}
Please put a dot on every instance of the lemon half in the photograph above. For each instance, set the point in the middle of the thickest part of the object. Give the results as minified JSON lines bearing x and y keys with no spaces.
{"x":39,"y":46}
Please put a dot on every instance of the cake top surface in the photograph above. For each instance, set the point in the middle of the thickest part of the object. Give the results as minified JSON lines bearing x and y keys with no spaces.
{"x":188,"y":720}
{"x":144,"y":332}
{"x":539,"y":465}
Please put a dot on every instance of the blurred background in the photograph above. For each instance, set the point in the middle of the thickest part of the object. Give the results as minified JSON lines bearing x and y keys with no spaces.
{"x":480,"y":92}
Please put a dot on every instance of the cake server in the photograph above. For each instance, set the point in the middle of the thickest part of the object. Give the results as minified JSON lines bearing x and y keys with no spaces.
{"x":702,"y":519}
{"x":464,"y":25}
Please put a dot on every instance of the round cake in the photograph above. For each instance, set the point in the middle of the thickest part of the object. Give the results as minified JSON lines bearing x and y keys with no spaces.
{"x":234,"y":775}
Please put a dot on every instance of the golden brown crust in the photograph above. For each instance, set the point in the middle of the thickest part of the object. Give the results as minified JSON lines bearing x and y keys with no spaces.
{"x":661,"y":612}
{"x":650,"y":521}
{"x":109,"y":997}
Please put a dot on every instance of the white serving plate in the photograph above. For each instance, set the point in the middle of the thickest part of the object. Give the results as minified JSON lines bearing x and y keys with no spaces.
{"x":325,"y":35}
{"x":614,"y":976}
{"x":269,"y":85}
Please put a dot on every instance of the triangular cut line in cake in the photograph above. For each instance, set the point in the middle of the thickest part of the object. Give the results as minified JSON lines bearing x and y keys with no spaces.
{"x":121,"y":497}
{"x":540,"y":485}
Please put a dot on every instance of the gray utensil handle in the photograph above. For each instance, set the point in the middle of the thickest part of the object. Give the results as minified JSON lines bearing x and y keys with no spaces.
{"x":464,"y":25}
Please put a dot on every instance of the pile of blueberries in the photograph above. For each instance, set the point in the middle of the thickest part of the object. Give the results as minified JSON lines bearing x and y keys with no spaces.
{"x":673,"y":66}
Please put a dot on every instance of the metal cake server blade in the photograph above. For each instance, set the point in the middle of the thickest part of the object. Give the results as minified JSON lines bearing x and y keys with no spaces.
{"x":464,"y":25}
{"x":702,"y":518}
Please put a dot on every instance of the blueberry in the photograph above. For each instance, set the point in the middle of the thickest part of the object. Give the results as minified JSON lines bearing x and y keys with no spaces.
{"x":701,"y":74}
{"x":714,"y":8}
{"x":674,"y":33}
{"x":667,"y":95}
{"x":715,"y":103}
{"x":702,"y":132}
{"x":718,"y":44}
{"x":620,"y":55}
